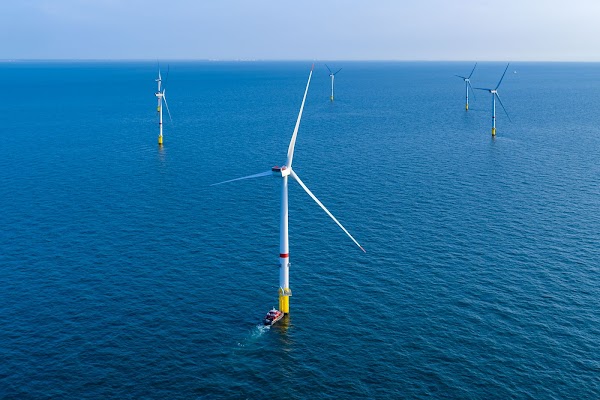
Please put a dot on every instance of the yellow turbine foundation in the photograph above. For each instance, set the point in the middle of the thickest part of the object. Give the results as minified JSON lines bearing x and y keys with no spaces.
{"x":331,"y":98}
{"x":284,"y":300}
{"x":160,"y":140}
{"x":467,"y":107}
{"x":493,"y":131}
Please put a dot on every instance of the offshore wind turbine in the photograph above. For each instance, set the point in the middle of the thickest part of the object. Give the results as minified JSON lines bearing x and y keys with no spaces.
{"x":495,"y":95}
{"x":468,"y":85}
{"x":283,"y":173}
{"x":160,"y":95}
{"x":332,"y":76}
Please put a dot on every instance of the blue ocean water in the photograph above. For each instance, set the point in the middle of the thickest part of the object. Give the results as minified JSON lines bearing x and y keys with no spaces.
{"x":123,"y":274}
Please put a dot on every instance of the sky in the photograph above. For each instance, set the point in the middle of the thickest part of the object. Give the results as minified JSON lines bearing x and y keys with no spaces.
{"x":482,"y":30}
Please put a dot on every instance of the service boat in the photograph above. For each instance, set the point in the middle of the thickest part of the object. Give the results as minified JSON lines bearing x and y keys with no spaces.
{"x":273,"y":316}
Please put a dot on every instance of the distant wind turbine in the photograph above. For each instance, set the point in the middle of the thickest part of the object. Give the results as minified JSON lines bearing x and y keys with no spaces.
{"x":332,"y":76}
{"x":160,"y":94}
{"x":284,"y":172}
{"x":468,"y":85}
{"x":495,"y":95}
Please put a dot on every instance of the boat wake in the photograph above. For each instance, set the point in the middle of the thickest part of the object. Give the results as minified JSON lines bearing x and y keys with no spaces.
{"x":260,"y":330}
{"x":255,"y":333}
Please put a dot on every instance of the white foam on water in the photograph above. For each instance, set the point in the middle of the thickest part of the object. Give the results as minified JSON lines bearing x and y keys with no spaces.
{"x":255,"y":333}
{"x":259,"y":330}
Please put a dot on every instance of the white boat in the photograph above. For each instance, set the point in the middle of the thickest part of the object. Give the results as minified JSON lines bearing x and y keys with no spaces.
{"x":273,"y":316}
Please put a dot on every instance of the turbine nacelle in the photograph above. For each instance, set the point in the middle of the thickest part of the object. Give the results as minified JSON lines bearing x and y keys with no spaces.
{"x":282,"y":171}
{"x":331,"y":73}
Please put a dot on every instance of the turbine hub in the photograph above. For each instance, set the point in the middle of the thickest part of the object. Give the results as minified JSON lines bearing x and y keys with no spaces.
{"x":280,"y":171}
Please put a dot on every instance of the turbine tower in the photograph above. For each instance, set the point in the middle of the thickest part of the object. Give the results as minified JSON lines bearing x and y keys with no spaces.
{"x":283,"y":173}
{"x":160,"y":95}
{"x":467,"y":85}
{"x":332,"y":76}
{"x":495,"y":95}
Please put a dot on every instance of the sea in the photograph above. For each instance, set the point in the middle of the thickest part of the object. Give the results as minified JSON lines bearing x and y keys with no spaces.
{"x":124,"y":274}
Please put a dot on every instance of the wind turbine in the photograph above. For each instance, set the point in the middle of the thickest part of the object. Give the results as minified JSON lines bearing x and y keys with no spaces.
{"x":467,"y":85}
{"x":284,"y":172}
{"x":495,"y":95}
{"x":332,"y":76}
{"x":160,"y":95}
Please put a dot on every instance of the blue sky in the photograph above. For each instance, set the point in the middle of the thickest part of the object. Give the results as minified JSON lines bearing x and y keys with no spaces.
{"x":519,"y":30}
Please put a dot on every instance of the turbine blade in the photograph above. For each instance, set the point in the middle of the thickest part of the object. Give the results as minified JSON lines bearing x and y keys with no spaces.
{"x":290,"y":155}
{"x":337,"y":71}
{"x":497,"y":86}
{"x":498,"y":97}
{"x":307,"y":190}
{"x":166,"y":104}
{"x":480,"y":88}
{"x":328,"y":68}
{"x":167,"y":78}
{"x":462,"y":77}
{"x":266,"y":173}
{"x":471,"y":74}
{"x":472,"y":91}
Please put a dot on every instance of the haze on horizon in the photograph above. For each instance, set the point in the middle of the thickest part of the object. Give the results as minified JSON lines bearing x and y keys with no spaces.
{"x":534,"y":30}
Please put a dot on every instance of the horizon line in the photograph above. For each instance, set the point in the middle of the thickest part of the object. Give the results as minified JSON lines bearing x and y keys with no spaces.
{"x":8,"y":60}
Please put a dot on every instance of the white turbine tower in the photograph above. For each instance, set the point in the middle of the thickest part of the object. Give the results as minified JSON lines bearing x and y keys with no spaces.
{"x":284,"y":172}
{"x":467,"y":85}
{"x":495,"y":95}
{"x":332,"y":76}
{"x":160,"y":95}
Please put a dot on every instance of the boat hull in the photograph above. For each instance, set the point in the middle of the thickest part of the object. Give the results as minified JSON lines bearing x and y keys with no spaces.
{"x":270,"y":320}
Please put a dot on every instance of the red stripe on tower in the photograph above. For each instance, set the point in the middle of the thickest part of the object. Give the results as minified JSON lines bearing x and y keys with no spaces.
{"x":284,"y":255}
